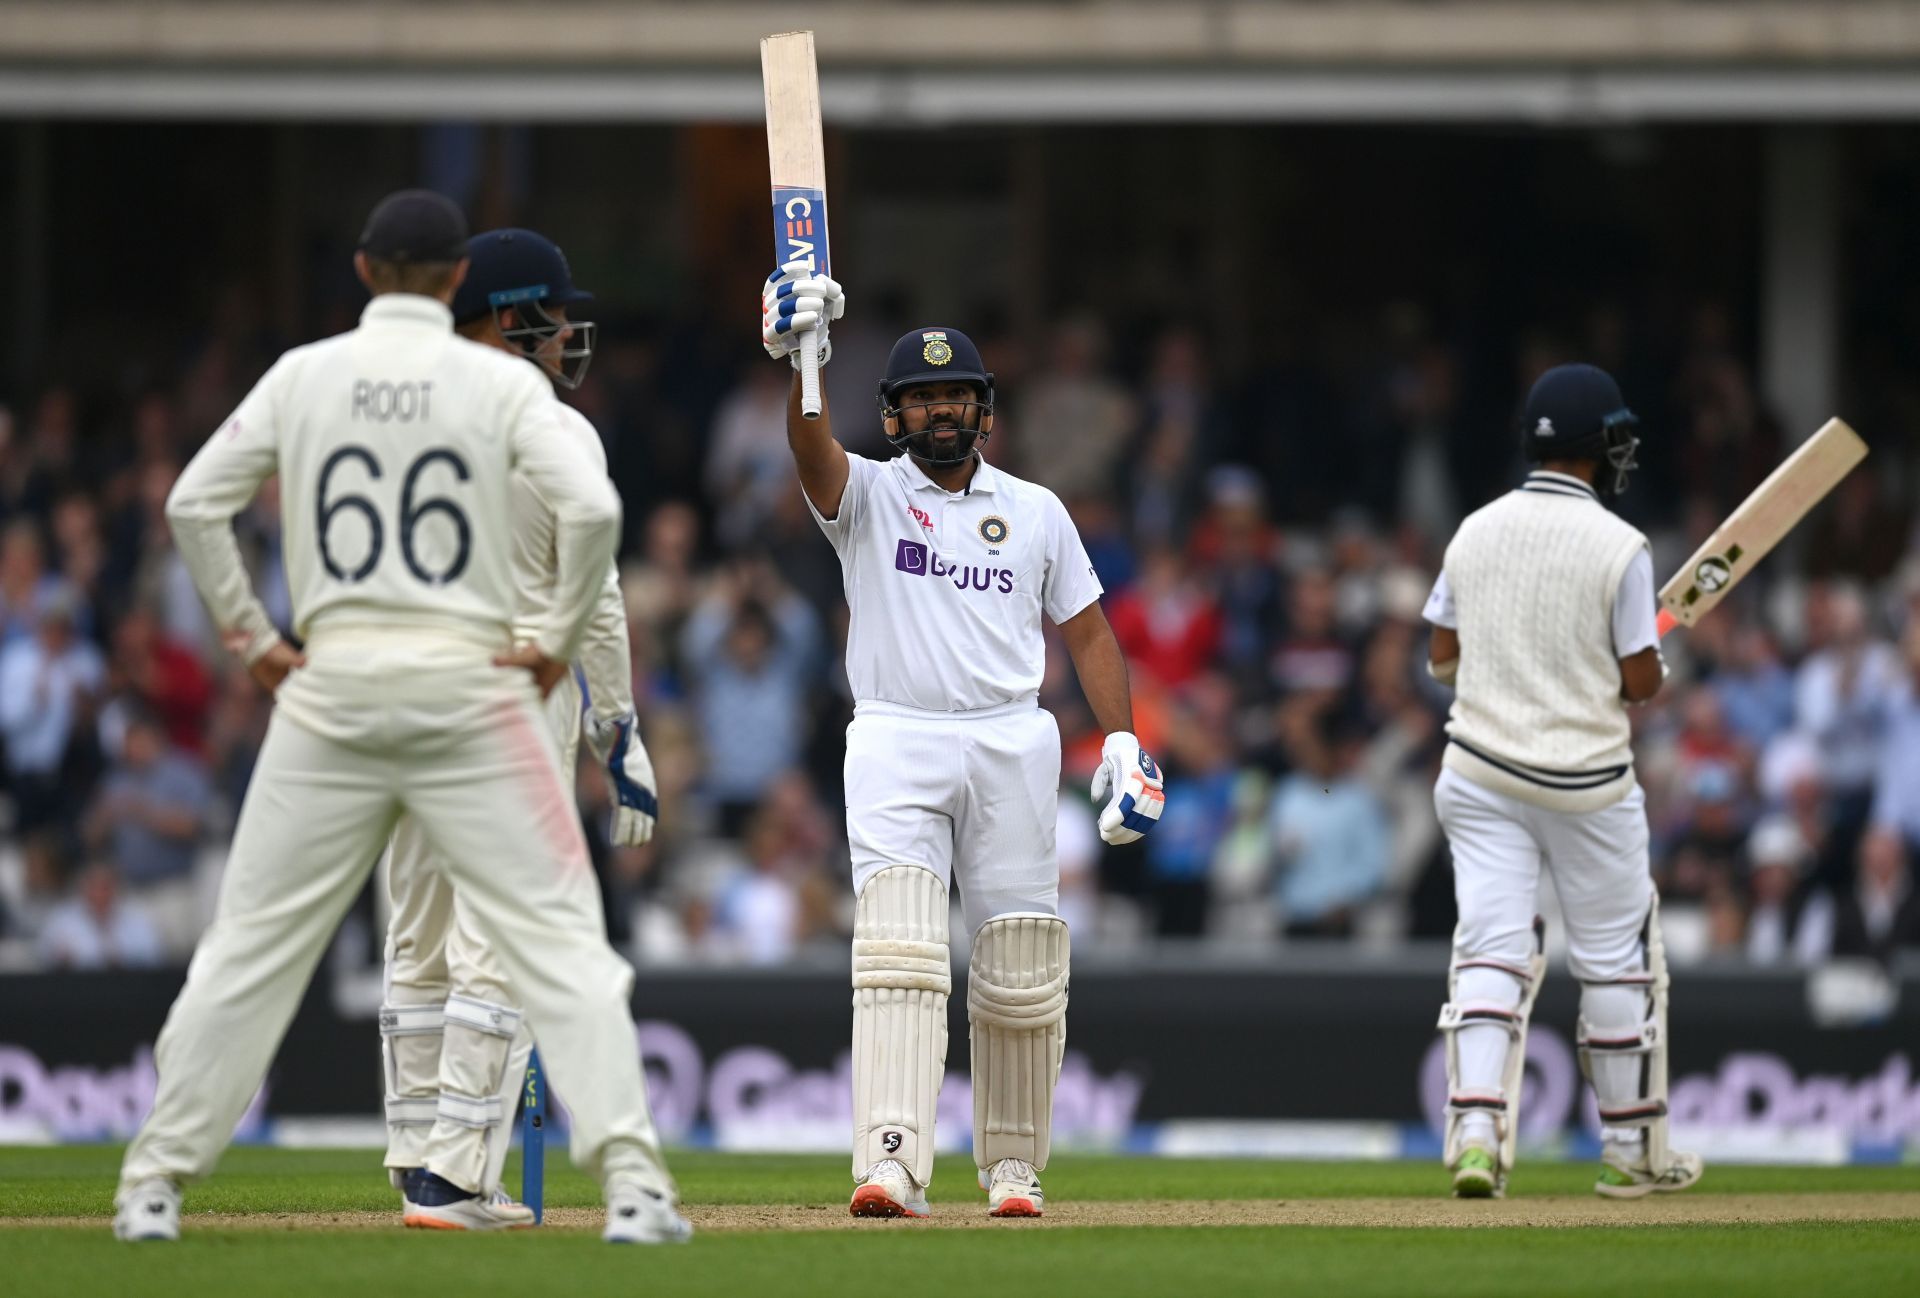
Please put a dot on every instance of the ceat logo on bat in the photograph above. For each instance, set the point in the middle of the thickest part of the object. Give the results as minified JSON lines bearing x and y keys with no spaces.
{"x":800,"y":227}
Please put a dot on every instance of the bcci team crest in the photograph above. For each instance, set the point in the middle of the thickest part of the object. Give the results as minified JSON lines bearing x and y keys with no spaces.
{"x":1544,"y":428}
{"x":938,"y":351}
{"x":993,"y":530}
{"x":1712,"y":574}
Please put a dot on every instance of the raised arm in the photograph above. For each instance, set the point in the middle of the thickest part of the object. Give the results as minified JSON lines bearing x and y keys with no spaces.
{"x":821,"y":459}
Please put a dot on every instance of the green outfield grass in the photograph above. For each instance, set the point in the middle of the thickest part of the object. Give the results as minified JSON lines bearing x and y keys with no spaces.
{"x":912,"y":1262}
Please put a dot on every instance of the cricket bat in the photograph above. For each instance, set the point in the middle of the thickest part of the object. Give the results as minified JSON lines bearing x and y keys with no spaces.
{"x":1776,"y":505}
{"x":798,"y":165}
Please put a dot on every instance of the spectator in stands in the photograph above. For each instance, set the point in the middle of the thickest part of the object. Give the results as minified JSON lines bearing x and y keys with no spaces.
{"x":1238,"y":551}
{"x":1198,"y":814}
{"x":1841,"y":698}
{"x":748,"y":464}
{"x":1896,"y":793}
{"x":1311,"y":658}
{"x":756,"y":916}
{"x":1166,"y":622}
{"x":50,"y":682}
{"x":1328,"y":830}
{"x":97,"y":928}
{"x":1078,"y":420}
{"x":1778,"y":856}
{"x":1754,"y":689}
{"x":24,"y":580}
{"x":1880,"y":914}
{"x":157,"y":675}
{"x":81,"y":554}
{"x":751,"y":649}
{"x":151,"y":815}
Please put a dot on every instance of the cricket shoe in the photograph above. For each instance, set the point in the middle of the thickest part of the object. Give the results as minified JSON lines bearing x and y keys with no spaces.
{"x":432,"y":1202}
{"x":638,"y":1214}
{"x":1476,"y":1174}
{"x":1629,"y":1176}
{"x":148,"y":1211}
{"x":889,"y":1190}
{"x":1013,"y":1189}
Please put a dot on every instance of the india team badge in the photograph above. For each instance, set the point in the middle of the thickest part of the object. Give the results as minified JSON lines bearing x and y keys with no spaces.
{"x":993,"y":529}
{"x":937,"y":351}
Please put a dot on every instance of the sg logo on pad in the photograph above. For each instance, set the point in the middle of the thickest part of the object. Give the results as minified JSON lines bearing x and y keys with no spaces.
{"x":911,"y":556}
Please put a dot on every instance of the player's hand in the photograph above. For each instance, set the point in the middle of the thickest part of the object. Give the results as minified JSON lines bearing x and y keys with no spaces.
{"x":796,"y":301}
{"x":547,"y":672}
{"x":275,"y":665}
{"x":1129,"y":783}
{"x":617,"y":745}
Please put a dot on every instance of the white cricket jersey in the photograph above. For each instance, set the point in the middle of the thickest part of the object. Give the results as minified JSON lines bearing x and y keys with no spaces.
{"x":946,"y":589}
{"x":396,"y":446}
{"x":604,"y":655}
{"x":1533,"y":584}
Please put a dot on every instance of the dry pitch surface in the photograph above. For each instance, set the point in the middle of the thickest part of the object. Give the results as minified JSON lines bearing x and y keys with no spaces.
{"x":278,"y":1222}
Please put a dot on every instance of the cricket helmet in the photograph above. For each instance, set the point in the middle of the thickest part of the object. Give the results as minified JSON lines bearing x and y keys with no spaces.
{"x":1576,"y":412}
{"x":525,"y":273}
{"x":935,"y":354}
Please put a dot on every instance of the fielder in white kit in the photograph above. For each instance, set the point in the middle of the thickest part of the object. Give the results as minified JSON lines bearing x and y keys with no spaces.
{"x":454,"y":1044}
{"x":396,"y":446}
{"x":1544,"y":621}
{"x":953,"y":769}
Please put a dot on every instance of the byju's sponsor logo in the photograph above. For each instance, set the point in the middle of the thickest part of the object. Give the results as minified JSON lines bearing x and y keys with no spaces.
{"x":913,"y":557}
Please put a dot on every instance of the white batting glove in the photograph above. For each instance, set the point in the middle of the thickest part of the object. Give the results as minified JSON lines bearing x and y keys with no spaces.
{"x":1138,"y":794}
{"x":795,"y":301}
{"x":617,"y":745}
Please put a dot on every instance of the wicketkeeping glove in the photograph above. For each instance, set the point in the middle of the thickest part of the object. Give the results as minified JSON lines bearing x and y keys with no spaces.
{"x":617,"y":745}
{"x":794,"y":301}
{"x":1138,"y":794}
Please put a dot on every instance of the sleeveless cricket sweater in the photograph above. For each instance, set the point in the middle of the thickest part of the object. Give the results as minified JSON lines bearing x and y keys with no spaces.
{"x":1537,"y":712}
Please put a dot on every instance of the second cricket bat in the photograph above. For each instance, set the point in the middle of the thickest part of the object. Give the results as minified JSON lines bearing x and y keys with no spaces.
{"x":1776,"y":505}
{"x":798,"y":163}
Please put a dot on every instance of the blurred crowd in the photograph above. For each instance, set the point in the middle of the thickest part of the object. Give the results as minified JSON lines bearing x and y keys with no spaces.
{"x":1266,"y":541}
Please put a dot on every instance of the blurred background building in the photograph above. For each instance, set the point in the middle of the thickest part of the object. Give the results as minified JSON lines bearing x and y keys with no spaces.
{"x":1263,"y":284}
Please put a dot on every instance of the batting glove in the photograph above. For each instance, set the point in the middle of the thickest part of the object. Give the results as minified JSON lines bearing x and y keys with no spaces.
{"x":795,"y":301}
{"x":1130,"y":784}
{"x":630,"y":771}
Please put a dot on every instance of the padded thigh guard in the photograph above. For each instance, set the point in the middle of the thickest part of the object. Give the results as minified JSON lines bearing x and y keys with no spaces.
{"x":410,"y":1037}
{"x":902,"y":976}
{"x":1017,"y":1009}
{"x":480,"y":1037}
{"x":1503,"y":1104}
{"x":1637,"y":1097}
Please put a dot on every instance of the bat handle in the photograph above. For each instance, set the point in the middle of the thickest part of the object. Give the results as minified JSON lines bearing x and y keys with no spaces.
{"x":810,"y":374}
{"x":1664,"y":623}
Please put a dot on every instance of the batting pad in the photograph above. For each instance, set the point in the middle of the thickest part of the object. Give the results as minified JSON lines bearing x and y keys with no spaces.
{"x":410,"y":1060}
{"x":1017,"y":1007}
{"x":473,"y":1068}
{"x":901,"y":979}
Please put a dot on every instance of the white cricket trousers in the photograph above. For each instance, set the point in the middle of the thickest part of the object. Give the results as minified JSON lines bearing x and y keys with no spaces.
{"x":971,"y":796}
{"x":1599,"y":864}
{"x":380,"y":723}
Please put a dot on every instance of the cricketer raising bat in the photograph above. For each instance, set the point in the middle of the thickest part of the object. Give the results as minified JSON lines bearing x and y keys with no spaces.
{"x":798,"y":165}
{"x":1775,"y":506}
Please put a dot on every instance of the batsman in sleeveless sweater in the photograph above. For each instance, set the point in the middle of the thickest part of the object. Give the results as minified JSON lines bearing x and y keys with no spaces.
{"x":1544,"y":623}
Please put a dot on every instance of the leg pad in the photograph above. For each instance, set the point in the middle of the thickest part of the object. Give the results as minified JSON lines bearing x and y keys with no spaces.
{"x":1017,"y":1007}
{"x":902,"y":977}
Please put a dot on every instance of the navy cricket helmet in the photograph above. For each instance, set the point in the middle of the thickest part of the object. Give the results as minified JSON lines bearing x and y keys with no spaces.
{"x":1576,"y":412}
{"x":525,"y":273}
{"x":937,"y":355}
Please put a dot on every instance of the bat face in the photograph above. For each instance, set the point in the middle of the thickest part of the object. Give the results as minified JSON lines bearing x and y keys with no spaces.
{"x":800,"y":227}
